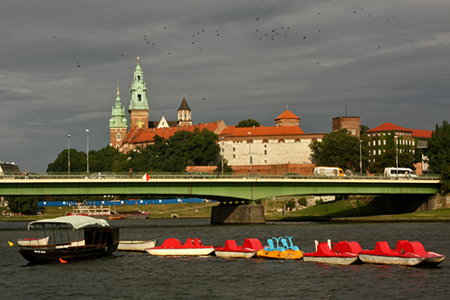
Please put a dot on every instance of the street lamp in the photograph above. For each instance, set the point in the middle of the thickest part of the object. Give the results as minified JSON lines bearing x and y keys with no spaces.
{"x":68,"y":155}
{"x":222,"y":156}
{"x":250,"y":152}
{"x":87,"y":152}
{"x":396,"y":153}
{"x":360,"y":155}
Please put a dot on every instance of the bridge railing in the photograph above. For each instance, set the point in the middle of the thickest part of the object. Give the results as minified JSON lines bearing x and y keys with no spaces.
{"x":139,"y":175}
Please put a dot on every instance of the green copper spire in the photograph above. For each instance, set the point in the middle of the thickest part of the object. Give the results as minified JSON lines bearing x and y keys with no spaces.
{"x":138,"y":90}
{"x":118,"y":119}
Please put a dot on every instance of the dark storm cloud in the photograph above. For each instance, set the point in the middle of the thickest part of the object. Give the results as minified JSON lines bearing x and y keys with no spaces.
{"x":60,"y":62}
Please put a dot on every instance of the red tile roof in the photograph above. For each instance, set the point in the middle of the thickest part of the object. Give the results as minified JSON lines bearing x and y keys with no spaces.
{"x":388,"y":127}
{"x":416,"y":133}
{"x":262,"y":131}
{"x":137,"y":136}
{"x":424,"y":134}
{"x":287,"y":115}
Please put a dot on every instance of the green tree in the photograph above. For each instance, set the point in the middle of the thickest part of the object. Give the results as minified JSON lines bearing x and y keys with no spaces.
{"x":107,"y":159}
{"x":27,"y":205}
{"x":445,"y":179}
{"x":339,"y":149}
{"x":77,"y":162}
{"x":248,"y":123}
{"x":439,"y":148}
{"x":226,"y":168}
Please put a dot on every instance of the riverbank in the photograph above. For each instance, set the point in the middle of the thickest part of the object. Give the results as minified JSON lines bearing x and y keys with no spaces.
{"x":333,"y":211}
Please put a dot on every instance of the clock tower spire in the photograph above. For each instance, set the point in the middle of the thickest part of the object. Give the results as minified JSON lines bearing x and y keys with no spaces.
{"x":118,"y":124}
{"x":138,"y":108}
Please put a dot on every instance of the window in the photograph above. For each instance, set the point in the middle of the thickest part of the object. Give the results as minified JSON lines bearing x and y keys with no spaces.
{"x":379,"y":142}
{"x":384,"y":142}
{"x":379,"y":151}
{"x":374,"y":142}
{"x":234,"y":155}
{"x":139,"y":97}
{"x":374,"y":152}
{"x":118,"y":137}
{"x":234,"y":149}
{"x":265,"y":152}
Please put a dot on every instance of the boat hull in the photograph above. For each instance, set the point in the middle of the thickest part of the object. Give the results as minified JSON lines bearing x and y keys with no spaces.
{"x":287,"y":254}
{"x":334,"y":260}
{"x":181,"y":251}
{"x":235,"y":254}
{"x":135,"y":245}
{"x":42,"y":255}
{"x":390,"y":260}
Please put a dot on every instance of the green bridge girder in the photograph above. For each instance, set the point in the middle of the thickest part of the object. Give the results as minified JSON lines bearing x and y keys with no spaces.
{"x":216,"y":189}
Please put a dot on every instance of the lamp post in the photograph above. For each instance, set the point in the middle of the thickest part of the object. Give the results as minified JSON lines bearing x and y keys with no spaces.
{"x":396,"y":153}
{"x":222,"y":156}
{"x":250,"y":152}
{"x":68,"y":155}
{"x":87,"y":152}
{"x":360,"y":155}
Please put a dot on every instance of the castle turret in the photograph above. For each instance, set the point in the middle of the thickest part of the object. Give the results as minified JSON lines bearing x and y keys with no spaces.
{"x":118,"y":124}
{"x":138,"y":103}
{"x":184,"y":114}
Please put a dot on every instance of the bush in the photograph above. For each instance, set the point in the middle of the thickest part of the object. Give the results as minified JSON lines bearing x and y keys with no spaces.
{"x":302,"y":201}
{"x":25,"y":205}
{"x":290,"y":204}
{"x":320,"y":201}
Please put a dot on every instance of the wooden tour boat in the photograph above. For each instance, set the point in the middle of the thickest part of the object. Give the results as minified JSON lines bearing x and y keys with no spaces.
{"x":72,"y":237}
{"x":232,"y":250}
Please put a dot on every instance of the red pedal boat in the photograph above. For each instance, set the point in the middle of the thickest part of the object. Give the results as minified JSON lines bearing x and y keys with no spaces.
{"x":174,"y":247}
{"x":383,"y":254}
{"x":430,"y":258}
{"x":232,"y":250}
{"x":342,"y":253}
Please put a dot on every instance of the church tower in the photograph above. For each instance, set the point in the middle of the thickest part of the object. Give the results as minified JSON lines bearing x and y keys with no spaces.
{"x":184,"y":114}
{"x":118,"y":124}
{"x":138,"y":108}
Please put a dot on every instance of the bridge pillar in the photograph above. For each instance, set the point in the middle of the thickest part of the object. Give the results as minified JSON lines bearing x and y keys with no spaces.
{"x":238,"y":214}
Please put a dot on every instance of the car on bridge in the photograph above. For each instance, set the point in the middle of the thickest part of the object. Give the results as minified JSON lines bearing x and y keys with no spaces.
{"x":291,"y":175}
{"x":103,"y":175}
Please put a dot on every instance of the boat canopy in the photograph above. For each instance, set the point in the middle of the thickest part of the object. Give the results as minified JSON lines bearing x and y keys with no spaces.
{"x":77,"y":222}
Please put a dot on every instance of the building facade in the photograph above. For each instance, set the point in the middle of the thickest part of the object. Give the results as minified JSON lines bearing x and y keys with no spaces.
{"x":352,"y":124}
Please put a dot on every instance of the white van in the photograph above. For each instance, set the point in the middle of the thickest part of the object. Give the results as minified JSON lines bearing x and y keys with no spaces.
{"x":328,"y":171}
{"x":399,"y":172}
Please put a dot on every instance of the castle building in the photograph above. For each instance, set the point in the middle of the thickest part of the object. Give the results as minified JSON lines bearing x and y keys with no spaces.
{"x":282,"y":148}
{"x":141,"y":131}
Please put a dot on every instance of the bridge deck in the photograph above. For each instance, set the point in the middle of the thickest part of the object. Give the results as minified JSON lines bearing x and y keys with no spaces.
{"x":218,"y":188}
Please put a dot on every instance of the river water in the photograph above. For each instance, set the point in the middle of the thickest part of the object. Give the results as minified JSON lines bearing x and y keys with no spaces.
{"x":126,"y":275}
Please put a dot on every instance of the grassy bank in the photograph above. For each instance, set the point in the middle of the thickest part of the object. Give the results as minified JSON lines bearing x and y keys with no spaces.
{"x":184,"y":210}
{"x":336,"y":211}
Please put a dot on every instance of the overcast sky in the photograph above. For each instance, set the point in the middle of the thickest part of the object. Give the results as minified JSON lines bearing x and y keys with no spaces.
{"x":382,"y":60}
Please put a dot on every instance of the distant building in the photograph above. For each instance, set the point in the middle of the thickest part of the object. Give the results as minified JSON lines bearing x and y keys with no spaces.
{"x":352,"y":124}
{"x":391,"y":136}
{"x":283,"y":148}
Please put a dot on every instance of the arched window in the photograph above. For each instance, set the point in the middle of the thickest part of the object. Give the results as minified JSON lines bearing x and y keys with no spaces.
{"x":139,"y":97}
{"x":118,"y":137}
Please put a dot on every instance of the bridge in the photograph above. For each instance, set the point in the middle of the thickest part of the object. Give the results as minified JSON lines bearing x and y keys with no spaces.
{"x":231,"y":191}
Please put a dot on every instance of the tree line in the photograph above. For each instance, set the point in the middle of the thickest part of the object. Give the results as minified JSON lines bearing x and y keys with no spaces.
{"x":184,"y":148}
